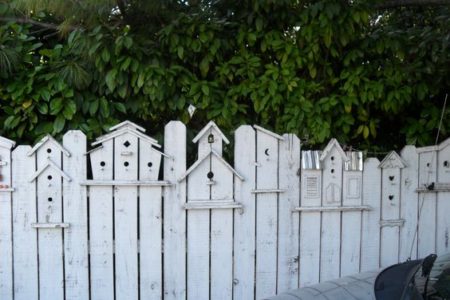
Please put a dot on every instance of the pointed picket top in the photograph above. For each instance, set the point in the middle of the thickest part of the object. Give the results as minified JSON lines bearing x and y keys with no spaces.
{"x":333,"y":144}
{"x":127,"y":124}
{"x":268,"y":132}
{"x":6,"y":143}
{"x":207,"y":129}
{"x":199,"y":161}
{"x":49,"y":138}
{"x":50,"y":164}
{"x":393,"y":160}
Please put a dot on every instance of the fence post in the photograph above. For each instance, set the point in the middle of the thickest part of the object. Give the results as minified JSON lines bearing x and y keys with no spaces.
{"x":174,"y":214}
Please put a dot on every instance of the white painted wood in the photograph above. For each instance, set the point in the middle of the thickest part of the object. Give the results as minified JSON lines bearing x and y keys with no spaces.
{"x":409,"y":203}
{"x":125,"y":183}
{"x":149,"y":161}
{"x":221,"y":234}
{"x":210,"y":138}
{"x":126,"y":218}
{"x":174,"y":215}
{"x":50,"y":210}
{"x":443,"y":203}
{"x":331,"y":221}
{"x":427,"y":204}
{"x":288,"y":228}
{"x":75,"y":213}
{"x":198,"y":235}
{"x":310,"y":227}
{"x":390,"y":210}
{"x":244,"y":220}
{"x":370,"y":238}
{"x":101,"y":226}
{"x":25,"y":237}
{"x":212,"y":204}
{"x":268,"y":191}
{"x":267,"y":151}
{"x":50,"y":225}
{"x":333,"y":208}
{"x":150,"y":228}
{"x":6,"y":236}
{"x":351,"y":223}
{"x":150,"y":224}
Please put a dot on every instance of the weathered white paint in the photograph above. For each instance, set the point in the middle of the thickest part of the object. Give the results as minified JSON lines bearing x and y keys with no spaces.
{"x":333,"y":161}
{"x":443,"y":203}
{"x":390,"y":210}
{"x":252,"y":228}
{"x":75,"y":214}
{"x":409,"y":203}
{"x":125,"y":218}
{"x":370,"y":235}
{"x":6,"y":236}
{"x":101,"y":225}
{"x":288,"y":228}
{"x":267,"y":149}
{"x":310,"y":227}
{"x":427,"y":204}
{"x":244,"y":220}
{"x":351,"y":223}
{"x":174,"y":264}
{"x":50,"y":210}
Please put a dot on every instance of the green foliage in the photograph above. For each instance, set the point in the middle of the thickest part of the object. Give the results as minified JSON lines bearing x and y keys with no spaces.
{"x":320,"y":69}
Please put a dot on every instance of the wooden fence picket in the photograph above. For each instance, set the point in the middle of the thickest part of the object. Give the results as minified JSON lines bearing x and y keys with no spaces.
{"x":267,"y":191}
{"x":6,"y":230}
{"x":76,"y":263}
{"x":443,"y":203}
{"x":244,"y":219}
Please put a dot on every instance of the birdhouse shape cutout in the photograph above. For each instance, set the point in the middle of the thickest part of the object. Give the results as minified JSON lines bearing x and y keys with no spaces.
{"x":5,"y":163}
{"x":210,"y":180}
{"x":210,"y":138}
{"x":48,"y":178}
{"x":332,"y":160}
{"x":393,"y":161}
{"x":128,"y":151}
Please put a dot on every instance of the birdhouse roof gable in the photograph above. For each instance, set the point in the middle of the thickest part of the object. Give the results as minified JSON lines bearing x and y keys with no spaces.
{"x":333,"y":144}
{"x":48,"y":138}
{"x":393,"y":160}
{"x":210,"y":126}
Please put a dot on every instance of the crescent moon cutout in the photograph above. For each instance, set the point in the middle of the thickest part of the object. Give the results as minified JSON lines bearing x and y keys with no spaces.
{"x":266,"y":152}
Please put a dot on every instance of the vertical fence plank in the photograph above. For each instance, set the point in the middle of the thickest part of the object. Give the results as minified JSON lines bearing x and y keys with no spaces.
{"x":174,"y":214}
{"x":244,"y":220}
{"x":50,"y":243}
{"x":6,"y":255}
{"x":25,"y":237}
{"x":370,"y":239}
{"x":150,"y":243}
{"x":351,"y":223}
{"x":427,"y":203}
{"x":150,"y":226}
{"x":221,"y":234}
{"x":198,"y":234}
{"x":288,"y":238}
{"x":311,"y":194}
{"x":101,"y":225}
{"x":75,"y":213}
{"x":266,"y":215}
{"x":390,"y":211}
{"x":331,"y":221}
{"x":125,"y":217}
{"x":443,"y":203}
{"x":409,"y":203}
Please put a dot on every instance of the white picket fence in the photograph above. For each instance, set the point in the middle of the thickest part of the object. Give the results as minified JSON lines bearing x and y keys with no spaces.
{"x":279,"y":219}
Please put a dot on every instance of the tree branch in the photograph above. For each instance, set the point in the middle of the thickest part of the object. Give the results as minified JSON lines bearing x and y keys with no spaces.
{"x":33,"y":22}
{"x":399,"y":3}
